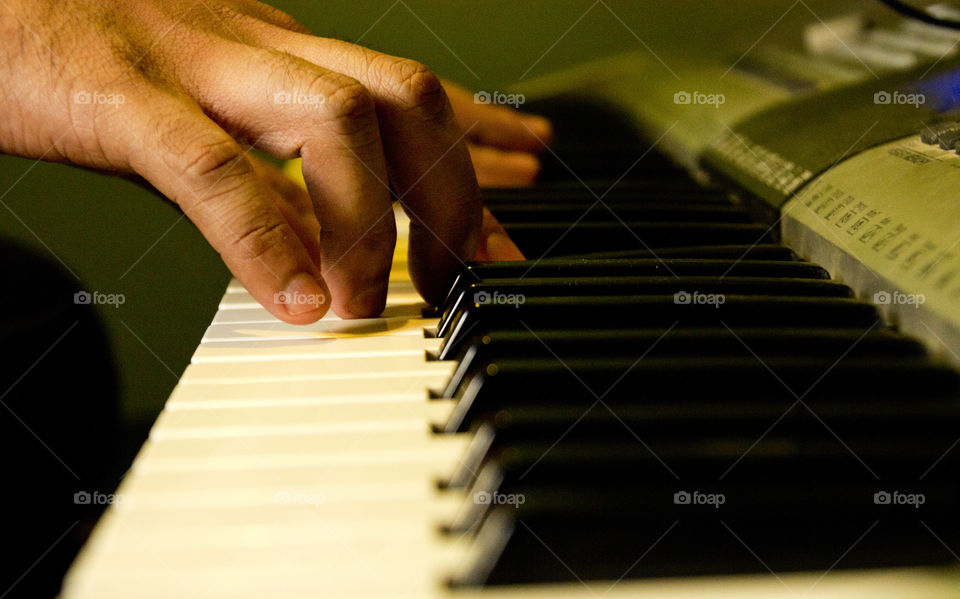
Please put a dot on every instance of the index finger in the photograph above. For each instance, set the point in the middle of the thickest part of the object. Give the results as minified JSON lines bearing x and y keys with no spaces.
{"x":426,"y":152}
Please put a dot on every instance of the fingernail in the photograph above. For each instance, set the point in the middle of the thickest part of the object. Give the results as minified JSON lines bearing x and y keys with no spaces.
{"x":369,"y":302}
{"x":303,"y":294}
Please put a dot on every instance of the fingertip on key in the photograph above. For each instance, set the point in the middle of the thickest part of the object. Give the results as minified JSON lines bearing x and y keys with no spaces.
{"x":303,"y":295}
{"x":369,"y":302}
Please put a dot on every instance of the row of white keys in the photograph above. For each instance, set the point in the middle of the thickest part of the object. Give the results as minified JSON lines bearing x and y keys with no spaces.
{"x":289,"y":461}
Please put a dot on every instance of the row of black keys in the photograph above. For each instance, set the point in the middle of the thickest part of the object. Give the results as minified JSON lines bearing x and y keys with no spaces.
{"x":680,"y":388}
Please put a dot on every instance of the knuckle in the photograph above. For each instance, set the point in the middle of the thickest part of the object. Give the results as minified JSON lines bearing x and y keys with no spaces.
{"x":350,"y":99}
{"x":351,"y":109}
{"x":208,"y":164}
{"x":227,"y":195}
{"x":415,"y":87}
{"x":214,"y":159}
{"x":261,"y":237}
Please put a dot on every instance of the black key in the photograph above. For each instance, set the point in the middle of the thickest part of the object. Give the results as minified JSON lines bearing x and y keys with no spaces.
{"x":802,"y":452}
{"x":648,"y":193}
{"x":603,"y":183}
{"x":613,"y":267}
{"x":489,"y":387}
{"x":511,"y":291}
{"x":596,"y":212}
{"x":577,"y":444}
{"x":584,"y":161}
{"x":483,"y":349}
{"x":696,"y":433}
{"x":558,"y":239}
{"x":600,"y":162}
{"x":720,"y":252}
{"x":629,"y":312}
{"x":608,"y":544}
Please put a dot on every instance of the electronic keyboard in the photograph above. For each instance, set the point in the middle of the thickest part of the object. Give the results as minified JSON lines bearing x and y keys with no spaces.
{"x":697,"y":385}
{"x":566,"y":426}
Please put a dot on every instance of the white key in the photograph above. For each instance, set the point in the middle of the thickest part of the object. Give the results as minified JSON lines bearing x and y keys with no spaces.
{"x":163,"y":481}
{"x":242,"y":300}
{"x":319,"y":418}
{"x":312,"y":369}
{"x":259,"y":350}
{"x":404,"y":386}
{"x":255,"y":450}
{"x":393,"y":502}
{"x":273,"y":329}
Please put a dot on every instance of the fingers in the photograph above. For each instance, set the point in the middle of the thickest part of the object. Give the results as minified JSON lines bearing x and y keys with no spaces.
{"x":499,"y":126}
{"x":495,"y":244}
{"x":294,"y":203}
{"x":428,"y":160}
{"x":290,"y":107}
{"x":496,"y":168}
{"x":199,"y":166}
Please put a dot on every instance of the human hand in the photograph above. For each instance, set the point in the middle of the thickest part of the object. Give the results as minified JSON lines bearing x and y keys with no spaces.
{"x":178,"y":92}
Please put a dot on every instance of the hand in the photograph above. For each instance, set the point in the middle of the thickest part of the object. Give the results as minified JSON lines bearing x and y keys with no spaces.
{"x":177,"y":92}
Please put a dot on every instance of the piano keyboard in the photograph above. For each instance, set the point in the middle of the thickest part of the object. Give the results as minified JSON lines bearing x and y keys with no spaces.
{"x":664,"y":402}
